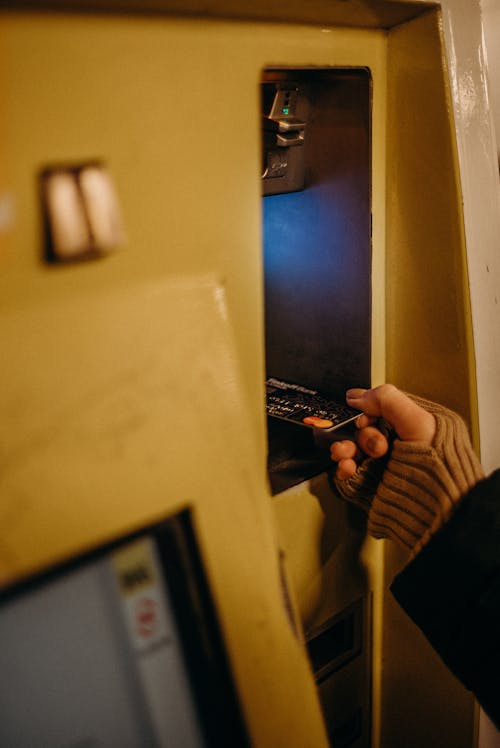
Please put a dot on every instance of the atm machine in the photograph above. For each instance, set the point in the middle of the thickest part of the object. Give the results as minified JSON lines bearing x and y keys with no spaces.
{"x":317,"y":256}
{"x":266,"y":209}
{"x":316,"y":154}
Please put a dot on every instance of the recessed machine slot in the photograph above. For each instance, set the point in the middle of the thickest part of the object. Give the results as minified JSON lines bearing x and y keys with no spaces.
{"x":336,"y":642}
{"x":317,"y":259}
{"x":339,"y":652}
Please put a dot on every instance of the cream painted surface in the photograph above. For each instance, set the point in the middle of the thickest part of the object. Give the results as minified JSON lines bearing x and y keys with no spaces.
{"x":475,"y":114}
{"x":489,"y":736}
{"x":491,"y":26}
{"x":481,"y":200}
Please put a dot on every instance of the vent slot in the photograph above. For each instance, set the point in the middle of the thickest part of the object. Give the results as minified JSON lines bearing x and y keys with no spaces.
{"x":336,"y":642}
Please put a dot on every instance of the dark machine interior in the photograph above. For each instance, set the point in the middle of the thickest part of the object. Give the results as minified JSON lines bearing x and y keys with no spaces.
{"x":317,"y":249}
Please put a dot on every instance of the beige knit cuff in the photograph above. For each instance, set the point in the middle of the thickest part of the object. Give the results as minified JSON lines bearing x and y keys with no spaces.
{"x":413,"y":493}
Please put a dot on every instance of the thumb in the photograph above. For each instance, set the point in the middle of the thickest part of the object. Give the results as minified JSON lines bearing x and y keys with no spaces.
{"x":409,"y":420}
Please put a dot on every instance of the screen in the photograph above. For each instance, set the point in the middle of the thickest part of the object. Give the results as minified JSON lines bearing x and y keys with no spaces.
{"x":120,"y":649}
{"x":317,"y":243}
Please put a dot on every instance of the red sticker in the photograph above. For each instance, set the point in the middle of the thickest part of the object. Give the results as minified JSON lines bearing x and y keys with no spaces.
{"x":146,"y":617}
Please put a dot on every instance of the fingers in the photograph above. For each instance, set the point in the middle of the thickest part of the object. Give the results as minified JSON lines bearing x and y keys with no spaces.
{"x":343,"y":450}
{"x":372,"y":442}
{"x":346,"y":468}
{"x":346,"y":453}
{"x":410,"y":421}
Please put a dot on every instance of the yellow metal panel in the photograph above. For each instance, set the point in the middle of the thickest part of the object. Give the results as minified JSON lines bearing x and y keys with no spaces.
{"x":429,"y":345}
{"x":120,"y":408}
{"x":358,"y":13}
{"x":124,"y":395}
{"x":322,"y":540}
{"x":173,"y":108}
{"x":429,"y":337}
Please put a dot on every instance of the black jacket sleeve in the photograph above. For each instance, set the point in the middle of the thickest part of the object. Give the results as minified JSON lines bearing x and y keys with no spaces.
{"x":452,"y":592}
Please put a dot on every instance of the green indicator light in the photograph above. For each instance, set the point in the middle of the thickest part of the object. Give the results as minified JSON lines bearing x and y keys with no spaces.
{"x":285,"y":110}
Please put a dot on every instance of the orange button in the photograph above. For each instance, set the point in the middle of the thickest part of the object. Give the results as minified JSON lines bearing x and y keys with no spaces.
{"x":319,"y":423}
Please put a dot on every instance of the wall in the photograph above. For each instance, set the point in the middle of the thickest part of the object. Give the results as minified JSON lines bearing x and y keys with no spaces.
{"x":474,"y":106}
{"x":474,"y":58}
{"x":429,"y":335}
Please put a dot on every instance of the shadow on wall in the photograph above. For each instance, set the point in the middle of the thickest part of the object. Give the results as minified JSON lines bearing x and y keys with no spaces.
{"x":344,"y":578}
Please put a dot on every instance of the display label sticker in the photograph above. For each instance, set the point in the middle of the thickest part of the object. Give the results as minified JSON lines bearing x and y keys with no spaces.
{"x":143,"y":596}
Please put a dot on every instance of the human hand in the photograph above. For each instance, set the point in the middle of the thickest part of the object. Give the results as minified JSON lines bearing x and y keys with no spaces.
{"x":409,"y":486}
{"x":409,"y":421}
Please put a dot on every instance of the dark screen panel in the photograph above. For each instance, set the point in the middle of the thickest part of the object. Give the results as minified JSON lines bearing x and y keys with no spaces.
{"x":317,"y":244}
